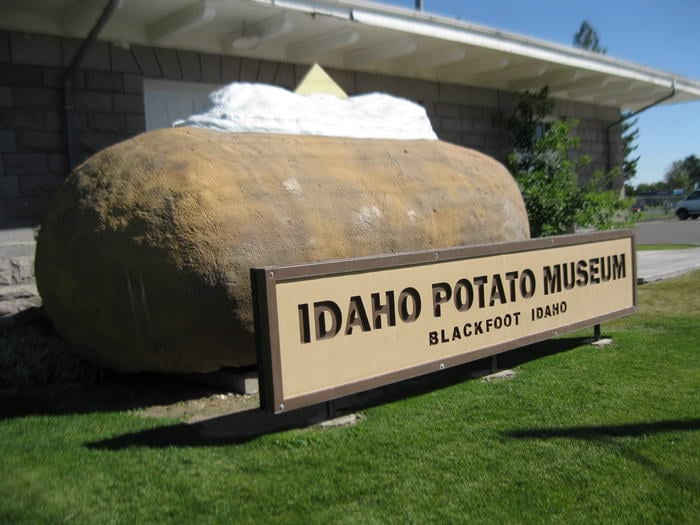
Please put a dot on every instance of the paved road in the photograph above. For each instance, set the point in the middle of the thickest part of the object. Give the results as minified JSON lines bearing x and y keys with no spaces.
{"x":668,"y":232}
{"x":653,"y":265}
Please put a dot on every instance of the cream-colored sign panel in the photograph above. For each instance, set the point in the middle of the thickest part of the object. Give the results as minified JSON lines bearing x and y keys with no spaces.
{"x":345,"y":329}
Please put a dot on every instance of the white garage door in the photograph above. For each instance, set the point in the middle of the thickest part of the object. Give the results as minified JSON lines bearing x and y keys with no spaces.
{"x":168,"y":100}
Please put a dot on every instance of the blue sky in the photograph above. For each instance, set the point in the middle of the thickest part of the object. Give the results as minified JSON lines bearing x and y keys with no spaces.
{"x":654,"y":33}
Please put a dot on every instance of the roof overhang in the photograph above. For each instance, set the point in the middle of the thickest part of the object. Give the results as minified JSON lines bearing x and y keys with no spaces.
{"x":360,"y":36}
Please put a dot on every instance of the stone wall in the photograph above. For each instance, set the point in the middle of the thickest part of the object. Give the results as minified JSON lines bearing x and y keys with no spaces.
{"x":17,"y":287}
{"x":109,"y":105}
{"x":108,"y":101}
{"x":592,"y":131}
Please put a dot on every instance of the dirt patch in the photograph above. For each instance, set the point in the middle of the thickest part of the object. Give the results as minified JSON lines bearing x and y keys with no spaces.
{"x":146,"y":395}
{"x":201,"y":409}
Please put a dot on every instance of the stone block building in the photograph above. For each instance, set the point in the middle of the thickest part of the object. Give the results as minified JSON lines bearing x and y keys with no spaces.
{"x":79,"y":76}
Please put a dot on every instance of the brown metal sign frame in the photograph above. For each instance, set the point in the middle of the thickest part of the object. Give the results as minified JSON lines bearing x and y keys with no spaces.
{"x":264,"y":282}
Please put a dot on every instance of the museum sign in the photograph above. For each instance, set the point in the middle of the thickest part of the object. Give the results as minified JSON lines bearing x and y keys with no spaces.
{"x":325,"y":330}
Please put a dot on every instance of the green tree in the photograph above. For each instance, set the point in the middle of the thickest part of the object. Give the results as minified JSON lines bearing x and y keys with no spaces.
{"x":587,"y":38}
{"x":653,"y":188}
{"x":683,"y":174}
{"x":547,"y":180}
{"x":630,"y":134}
{"x":544,"y":170}
{"x":691,"y":165}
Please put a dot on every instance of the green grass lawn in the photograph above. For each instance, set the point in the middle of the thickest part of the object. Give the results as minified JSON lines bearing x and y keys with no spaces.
{"x":590,"y":435}
{"x":655,"y":214}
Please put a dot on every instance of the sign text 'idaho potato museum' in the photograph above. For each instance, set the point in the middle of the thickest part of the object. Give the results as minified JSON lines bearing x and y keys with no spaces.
{"x":334,"y":328}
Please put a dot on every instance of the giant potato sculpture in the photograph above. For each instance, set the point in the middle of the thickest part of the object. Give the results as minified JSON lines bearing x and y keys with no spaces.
{"x":143,"y":258}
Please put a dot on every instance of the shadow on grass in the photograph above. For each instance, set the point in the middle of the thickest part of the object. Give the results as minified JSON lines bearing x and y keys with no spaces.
{"x":592,"y":432}
{"x":606,"y":436}
{"x":237,"y":428}
{"x":242,"y":427}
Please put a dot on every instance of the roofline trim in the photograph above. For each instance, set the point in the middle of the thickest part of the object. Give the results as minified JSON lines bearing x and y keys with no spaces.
{"x":435,"y":26}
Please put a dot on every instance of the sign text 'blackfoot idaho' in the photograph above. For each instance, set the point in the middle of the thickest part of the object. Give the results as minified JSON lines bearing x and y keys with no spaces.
{"x":341,"y":330}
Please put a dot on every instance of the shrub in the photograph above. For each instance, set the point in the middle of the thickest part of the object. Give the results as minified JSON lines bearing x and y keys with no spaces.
{"x":547,"y":175}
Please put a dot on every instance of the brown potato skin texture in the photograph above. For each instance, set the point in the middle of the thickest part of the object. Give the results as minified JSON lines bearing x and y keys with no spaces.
{"x":143,"y":258}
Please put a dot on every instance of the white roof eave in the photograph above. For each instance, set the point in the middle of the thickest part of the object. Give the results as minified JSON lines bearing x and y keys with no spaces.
{"x":362,"y":36}
{"x":459,"y":32}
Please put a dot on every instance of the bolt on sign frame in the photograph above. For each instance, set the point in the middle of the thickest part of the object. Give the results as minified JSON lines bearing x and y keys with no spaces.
{"x":328,"y":329}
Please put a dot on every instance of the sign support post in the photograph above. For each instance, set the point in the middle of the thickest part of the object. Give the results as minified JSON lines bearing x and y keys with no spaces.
{"x":596,"y":332}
